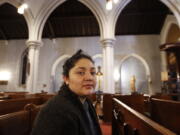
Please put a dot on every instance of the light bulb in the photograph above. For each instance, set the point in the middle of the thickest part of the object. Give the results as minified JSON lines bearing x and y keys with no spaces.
{"x":115,"y":1}
{"x":21,"y":10}
{"x":109,"y":5}
{"x":25,"y":6}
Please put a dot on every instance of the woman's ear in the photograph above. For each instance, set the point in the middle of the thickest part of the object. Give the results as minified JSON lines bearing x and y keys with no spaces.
{"x":65,"y":78}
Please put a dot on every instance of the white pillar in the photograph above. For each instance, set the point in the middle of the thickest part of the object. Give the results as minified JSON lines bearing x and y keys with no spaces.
{"x":163,"y":61}
{"x":108,"y":65}
{"x":33,"y":56}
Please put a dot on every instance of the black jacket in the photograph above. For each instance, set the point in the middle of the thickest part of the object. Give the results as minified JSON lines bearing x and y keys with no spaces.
{"x":64,"y":115}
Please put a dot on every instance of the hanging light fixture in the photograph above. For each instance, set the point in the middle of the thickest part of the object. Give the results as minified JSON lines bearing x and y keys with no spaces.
{"x":115,"y":1}
{"x":109,"y":4}
{"x":22,"y":8}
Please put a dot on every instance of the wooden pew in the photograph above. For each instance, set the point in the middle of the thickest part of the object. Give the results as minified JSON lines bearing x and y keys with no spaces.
{"x":134,"y":101}
{"x":33,"y":110}
{"x":16,"y":123}
{"x":8,"y":106}
{"x":127,"y":121}
{"x":92,"y":97}
{"x":167,"y":113}
{"x":107,"y":107}
{"x":162,"y":96}
{"x":21,"y":122}
{"x":45,"y":97}
{"x":15,"y":95}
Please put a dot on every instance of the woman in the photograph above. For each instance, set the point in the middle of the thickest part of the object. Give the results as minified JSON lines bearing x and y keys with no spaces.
{"x":70,"y":112}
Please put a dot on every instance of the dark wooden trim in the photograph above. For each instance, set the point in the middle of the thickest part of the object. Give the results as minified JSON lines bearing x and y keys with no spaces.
{"x":167,"y":46}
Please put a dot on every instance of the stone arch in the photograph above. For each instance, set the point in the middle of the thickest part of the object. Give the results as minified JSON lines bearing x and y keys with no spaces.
{"x":143,"y":61}
{"x":53,"y":82}
{"x":170,"y":20}
{"x":61,"y":58}
{"x":169,"y":3}
{"x":97,"y":56}
{"x":52,"y":5}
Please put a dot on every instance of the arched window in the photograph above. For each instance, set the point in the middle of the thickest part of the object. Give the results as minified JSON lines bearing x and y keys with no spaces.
{"x":24,"y":69}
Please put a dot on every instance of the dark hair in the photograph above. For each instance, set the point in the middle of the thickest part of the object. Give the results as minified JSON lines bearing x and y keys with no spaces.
{"x":70,"y":63}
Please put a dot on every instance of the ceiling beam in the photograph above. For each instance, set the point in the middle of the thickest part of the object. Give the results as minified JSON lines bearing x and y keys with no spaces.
{"x":144,"y":13}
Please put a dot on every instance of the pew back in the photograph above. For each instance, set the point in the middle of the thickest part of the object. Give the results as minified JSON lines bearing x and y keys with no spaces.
{"x":134,"y":101}
{"x":15,"y":123}
{"x":34,"y":110}
{"x":167,"y":113}
{"x":21,"y":122}
{"x":13,"y":105}
{"x":127,"y":121}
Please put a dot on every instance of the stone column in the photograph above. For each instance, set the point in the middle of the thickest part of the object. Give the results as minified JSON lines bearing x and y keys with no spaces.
{"x":33,"y":56}
{"x":108,"y":65}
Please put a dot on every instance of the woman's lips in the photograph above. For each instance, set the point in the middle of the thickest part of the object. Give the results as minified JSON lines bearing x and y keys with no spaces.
{"x":88,"y":86}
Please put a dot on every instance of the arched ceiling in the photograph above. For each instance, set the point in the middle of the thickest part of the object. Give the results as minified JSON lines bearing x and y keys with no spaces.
{"x":12,"y":24}
{"x":142,"y":17}
{"x":73,"y":19}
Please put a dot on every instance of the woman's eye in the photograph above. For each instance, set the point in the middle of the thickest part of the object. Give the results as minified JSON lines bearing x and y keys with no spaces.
{"x":93,"y":73}
{"x":81,"y":73}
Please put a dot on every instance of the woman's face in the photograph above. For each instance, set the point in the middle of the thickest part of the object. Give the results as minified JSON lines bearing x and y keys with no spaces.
{"x":82,"y":77}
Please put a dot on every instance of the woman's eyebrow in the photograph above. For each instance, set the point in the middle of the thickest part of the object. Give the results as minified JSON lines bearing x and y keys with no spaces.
{"x":92,"y":68}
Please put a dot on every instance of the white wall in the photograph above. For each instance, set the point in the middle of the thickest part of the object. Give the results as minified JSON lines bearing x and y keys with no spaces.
{"x":145,"y":46}
{"x":52,"y":51}
{"x":10,"y":55}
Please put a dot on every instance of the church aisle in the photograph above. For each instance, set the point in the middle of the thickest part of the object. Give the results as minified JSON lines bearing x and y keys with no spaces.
{"x":106,"y":128}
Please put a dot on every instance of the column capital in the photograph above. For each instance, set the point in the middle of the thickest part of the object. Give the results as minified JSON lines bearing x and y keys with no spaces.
{"x":34,"y":44}
{"x":108,"y":42}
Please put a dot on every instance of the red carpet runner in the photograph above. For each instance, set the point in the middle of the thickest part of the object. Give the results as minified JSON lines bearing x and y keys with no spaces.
{"x":106,"y":128}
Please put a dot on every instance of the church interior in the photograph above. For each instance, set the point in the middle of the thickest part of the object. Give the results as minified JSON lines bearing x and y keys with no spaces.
{"x":136,"y":48}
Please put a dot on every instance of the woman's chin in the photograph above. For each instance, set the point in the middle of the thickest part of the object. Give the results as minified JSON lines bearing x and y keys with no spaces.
{"x":87,"y":92}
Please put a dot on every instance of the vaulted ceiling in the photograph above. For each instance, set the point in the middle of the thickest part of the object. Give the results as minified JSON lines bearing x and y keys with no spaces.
{"x":73,"y":19}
